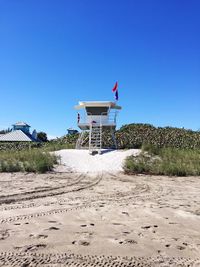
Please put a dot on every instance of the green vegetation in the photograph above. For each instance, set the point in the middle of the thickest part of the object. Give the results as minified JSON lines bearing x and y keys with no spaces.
{"x":17,"y":146}
{"x":26,"y":161}
{"x":164,"y":161}
{"x":55,"y":145}
{"x":136,"y":135}
{"x":5,"y":131}
{"x":128,"y":136}
{"x":29,"y":156}
{"x":67,"y":140}
{"x":46,"y":146}
{"x":168,"y":150}
{"x":42,"y":136}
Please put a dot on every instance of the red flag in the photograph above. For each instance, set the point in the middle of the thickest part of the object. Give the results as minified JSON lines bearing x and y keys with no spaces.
{"x":115,"y":87}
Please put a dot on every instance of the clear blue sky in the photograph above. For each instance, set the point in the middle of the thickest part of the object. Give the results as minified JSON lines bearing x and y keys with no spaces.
{"x":54,"y":53}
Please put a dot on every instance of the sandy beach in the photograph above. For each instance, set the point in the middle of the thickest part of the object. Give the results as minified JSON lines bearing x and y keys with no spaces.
{"x":79,"y":217}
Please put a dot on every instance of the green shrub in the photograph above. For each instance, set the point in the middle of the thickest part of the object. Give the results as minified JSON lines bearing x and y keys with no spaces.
{"x":17,"y":146}
{"x":136,"y":135}
{"x":128,"y":136}
{"x":54,"y":146}
{"x":27,"y":160}
{"x":165,"y":161}
{"x":152,"y":150}
{"x":138,"y":164}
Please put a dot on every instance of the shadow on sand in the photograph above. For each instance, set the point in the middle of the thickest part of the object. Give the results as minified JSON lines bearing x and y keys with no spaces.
{"x":107,"y":150}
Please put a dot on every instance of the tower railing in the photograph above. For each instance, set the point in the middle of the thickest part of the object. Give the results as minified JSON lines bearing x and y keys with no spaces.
{"x":103,"y":119}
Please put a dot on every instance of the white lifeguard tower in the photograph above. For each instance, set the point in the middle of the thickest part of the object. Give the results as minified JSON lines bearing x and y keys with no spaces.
{"x":96,"y":116}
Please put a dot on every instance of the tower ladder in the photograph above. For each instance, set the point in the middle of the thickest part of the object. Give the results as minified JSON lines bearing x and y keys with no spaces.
{"x":95,"y":137}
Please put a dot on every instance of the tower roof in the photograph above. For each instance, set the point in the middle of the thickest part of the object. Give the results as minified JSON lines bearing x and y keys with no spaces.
{"x":109,"y":104}
{"x":21,"y":123}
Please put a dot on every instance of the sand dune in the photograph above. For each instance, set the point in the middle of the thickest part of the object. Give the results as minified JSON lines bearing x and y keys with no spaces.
{"x":81,"y":161}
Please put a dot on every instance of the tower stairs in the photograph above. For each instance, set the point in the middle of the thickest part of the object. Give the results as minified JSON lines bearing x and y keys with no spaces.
{"x":95,"y":137}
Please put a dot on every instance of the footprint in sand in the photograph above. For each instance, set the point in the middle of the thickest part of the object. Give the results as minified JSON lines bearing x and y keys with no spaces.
{"x":125,"y":213}
{"x":81,"y":243}
{"x":149,"y":226}
{"x":85,"y":225}
{"x":146,"y":227}
{"x":126,"y":233}
{"x":128,"y":241}
{"x":53,"y":228}
{"x":180,"y":247}
{"x":38,"y":236}
{"x":140,"y":234}
{"x":30,"y":248}
{"x":84,"y":243}
{"x":4,"y":234}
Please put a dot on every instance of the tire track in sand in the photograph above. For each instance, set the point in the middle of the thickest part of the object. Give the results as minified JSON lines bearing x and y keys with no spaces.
{"x":80,"y":183}
{"x":65,"y":259}
{"x":85,"y":183}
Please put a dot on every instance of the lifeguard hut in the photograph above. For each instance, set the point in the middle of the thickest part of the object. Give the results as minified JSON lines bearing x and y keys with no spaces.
{"x":93,"y":117}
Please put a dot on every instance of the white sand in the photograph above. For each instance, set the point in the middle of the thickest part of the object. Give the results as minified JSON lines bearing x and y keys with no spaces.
{"x":47,"y":219}
{"x":81,"y":161}
{"x":82,"y":219}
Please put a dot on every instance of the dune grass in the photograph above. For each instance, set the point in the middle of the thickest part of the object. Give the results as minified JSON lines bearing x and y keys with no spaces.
{"x":54,"y":146}
{"x":32,"y":160}
{"x":164,"y":161}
